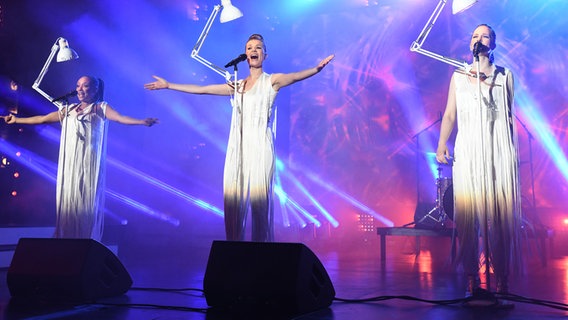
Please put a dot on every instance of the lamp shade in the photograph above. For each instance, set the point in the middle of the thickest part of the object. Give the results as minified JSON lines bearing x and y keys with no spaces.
{"x":462,"y":5}
{"x":229,"y":12}
{"x":65,"y":53}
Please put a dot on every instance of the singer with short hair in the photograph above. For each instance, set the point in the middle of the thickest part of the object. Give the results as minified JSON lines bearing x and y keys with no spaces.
{"x":249,"y":162}
{"x":82,"y":155}
{"x":487,"y":198}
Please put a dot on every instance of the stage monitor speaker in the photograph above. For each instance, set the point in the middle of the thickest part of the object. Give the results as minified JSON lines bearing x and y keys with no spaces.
{"x":65,"y":270}
{"x":282,"y":278}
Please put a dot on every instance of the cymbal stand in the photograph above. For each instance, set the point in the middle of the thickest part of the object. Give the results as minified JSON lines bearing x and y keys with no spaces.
{"x":441,"y":216}
{"x":416,"y":137}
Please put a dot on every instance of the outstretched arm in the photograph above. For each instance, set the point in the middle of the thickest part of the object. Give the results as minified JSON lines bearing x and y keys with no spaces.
{"x":280,"y":80}
{"x":214,"y":89}
{"x":47,"y":118}
{"x":113,"y":115}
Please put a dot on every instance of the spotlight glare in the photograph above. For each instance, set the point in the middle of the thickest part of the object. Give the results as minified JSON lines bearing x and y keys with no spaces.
{"x":14,"y":193}
{"x":16,"y":175}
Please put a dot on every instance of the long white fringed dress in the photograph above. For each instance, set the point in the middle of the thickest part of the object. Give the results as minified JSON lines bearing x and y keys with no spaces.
{"x":81,"y":173}
{"x":249,"y":163}
{"x":486,"y":172}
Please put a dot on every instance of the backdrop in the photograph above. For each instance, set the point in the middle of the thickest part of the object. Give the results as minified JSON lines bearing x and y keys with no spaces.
{"x":355,"y":143}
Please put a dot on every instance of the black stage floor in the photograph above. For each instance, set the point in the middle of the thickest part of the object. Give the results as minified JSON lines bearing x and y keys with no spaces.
{"x":407,"y":286}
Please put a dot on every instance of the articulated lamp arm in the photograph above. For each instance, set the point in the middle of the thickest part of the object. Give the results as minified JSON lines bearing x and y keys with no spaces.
{"x":417,"y":44}
{"x":62,"y":46}
{"x":43,"y":71}
{"x":456,"y":63}
{"x":195,"y":52}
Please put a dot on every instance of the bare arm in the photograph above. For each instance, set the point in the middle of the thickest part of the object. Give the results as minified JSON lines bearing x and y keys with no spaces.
{"x":448,"y":121}
{"x":113,"y":115}
{"x":510,"y":87}
{"x":214,"y":89}
{"x":280,"y":80}
{"x":47,"y":118}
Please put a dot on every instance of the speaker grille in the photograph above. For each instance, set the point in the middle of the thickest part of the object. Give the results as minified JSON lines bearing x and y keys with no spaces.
{"x":65,"y":269}
{"x":286,"y":278}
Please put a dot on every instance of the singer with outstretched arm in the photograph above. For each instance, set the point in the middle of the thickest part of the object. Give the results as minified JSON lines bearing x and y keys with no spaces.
{"x":249,"y":162}
{"x":82,"y":155}
{"x":485,"y":165}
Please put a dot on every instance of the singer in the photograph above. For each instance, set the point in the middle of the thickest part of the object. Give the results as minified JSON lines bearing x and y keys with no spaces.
{"x":487,"y":198}
{"x":249,"y":162}
{"x":82,"y":154}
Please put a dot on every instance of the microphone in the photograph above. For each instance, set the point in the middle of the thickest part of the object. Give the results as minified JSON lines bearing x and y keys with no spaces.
{"x":65,"y":96}
{"x":477,"y":48}
{"x":235,"y":61}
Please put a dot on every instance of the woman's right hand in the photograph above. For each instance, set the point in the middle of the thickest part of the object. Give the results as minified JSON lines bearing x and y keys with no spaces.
{"x":442,"y":154}
{"x":9,"y":119}
{"x":160,"y":83}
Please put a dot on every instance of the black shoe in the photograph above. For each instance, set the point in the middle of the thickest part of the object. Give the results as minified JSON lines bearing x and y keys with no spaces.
{"x":484,"y":299}
{"x":480,"y":298}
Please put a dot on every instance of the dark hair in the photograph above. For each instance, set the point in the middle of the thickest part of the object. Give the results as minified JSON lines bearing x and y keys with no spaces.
{"x":100,"y":85}
{"x":258,"y":37}
{"x":101,"y":91}
{"x":491,"y":34}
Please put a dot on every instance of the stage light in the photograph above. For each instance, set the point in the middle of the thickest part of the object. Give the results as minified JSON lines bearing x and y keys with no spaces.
{"x":229,"y":12}
{"x":462,"y":5}
{"x":65,"y":53}
{"x":13,"y":86}
{"x":366,"y":222}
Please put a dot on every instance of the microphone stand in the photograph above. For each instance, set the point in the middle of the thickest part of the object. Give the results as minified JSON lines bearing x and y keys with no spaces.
{"x":484,"y":189}
{"x":240,"y":150}
{"x":235,"y":70}
{"x":63,"y":153}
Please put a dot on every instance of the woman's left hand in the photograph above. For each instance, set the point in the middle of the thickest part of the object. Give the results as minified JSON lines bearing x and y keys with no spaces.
{"x":324,"y":62}
{"x":150,"y":121}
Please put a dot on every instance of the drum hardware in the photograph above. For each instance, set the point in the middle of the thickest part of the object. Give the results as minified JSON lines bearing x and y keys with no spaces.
{"x":440,"y":215}
{"x":422,"y":207}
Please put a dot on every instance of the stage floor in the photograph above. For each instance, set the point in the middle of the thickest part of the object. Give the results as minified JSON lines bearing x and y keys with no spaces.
{"x":178,"y":260}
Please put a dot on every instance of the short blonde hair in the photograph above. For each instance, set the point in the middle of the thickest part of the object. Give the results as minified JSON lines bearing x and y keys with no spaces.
{"x":258,"y":37}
